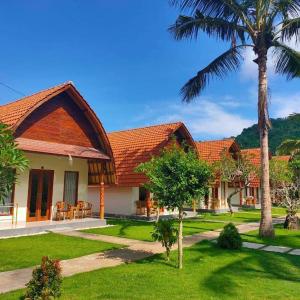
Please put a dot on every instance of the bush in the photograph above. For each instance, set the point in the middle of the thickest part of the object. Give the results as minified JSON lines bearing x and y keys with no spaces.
{"x":230,"y":238}
{"x":46,"y":281}
{"x":166,"y":233}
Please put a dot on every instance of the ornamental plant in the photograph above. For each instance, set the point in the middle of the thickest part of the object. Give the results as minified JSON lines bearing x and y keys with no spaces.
{"x":166,"y":233}
{"x":12,"y":161}
{"x":176,"y":177}
{"x":46,"y":281}
{"x":230,"y":238}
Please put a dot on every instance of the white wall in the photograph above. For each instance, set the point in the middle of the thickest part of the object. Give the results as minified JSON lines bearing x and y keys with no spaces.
{"x":118,"y":200}
{"x":59,"y":164}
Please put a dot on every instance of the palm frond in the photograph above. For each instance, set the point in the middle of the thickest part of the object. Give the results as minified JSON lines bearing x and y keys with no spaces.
{"x":226,"y":9}
{"x":189,"y":27}
{"x":288,"y":147}
{"x":290,"y":30}
{"x":287,"y":60}
{"x":288,"y":8}
{"x":220,"y":67}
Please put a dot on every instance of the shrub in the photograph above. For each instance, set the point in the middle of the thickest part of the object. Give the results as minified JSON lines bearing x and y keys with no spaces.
{"x":230,"y":238}
{"x":166,"y":233}
{"x":46,"y":281}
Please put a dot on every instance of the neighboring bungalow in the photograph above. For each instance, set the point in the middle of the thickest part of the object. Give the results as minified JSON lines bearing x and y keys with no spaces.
{"x":211,"y":151}
{"x":67,"y":149}
{"x":130,"y":148}
{"x":254,"y":189}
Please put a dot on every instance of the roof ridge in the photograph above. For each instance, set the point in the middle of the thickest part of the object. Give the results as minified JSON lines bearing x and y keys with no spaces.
{"x":144,"y":127}
{"x":220,"y":140}
{"x":41,"y":91}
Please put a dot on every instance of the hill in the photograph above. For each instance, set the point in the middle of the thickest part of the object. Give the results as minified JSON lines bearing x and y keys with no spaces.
{"x":282,"y":128}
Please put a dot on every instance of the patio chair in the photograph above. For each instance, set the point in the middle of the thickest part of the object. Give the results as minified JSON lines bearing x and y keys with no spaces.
{"x":140,"y":207}
{"x":79,"y":210}
{"x":87,"y":209}
{"x":62,"y":210}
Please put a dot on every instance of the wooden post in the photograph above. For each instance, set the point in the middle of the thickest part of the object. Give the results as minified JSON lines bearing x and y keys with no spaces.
{"x":241,"y":195}
{"x":148,"y":204}
{"x":194,"y":206}
{"x":101,"y":196}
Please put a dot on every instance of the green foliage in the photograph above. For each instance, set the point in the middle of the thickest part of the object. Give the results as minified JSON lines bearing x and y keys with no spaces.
{"x":166,"y":233}
{"x":280,"y":172}
{"x":281,"y":130}
{"x":176,"y":177}
{"x":46,"y":281}
{"x":261,"y":26}
{"x":230,"y":238}
{"x":12,"y":161}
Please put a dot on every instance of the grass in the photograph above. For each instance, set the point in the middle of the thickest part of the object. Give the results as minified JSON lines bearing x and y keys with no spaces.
{"x":208,"y":273}
{"x":22,"y":252}
{"x":245,"y":216}
{"x":141,"y":230}
{"x":283,"y":237}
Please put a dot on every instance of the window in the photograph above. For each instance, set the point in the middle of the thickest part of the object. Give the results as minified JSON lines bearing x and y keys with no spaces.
{"x":8,"y":201}
{"x":71,"y":187}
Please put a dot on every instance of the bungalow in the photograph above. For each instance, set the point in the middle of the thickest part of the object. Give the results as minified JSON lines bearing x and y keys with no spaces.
{"x":130,"y":148}
{"x":211,"y":151}
{"x":67,"y":149}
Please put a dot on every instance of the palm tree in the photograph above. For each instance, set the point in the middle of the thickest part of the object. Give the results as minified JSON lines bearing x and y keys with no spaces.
{"x":289,"y":147}
{"x":261,"y":25}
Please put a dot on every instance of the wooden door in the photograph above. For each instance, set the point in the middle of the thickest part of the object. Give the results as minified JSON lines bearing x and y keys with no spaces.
{"x":40,"y":195}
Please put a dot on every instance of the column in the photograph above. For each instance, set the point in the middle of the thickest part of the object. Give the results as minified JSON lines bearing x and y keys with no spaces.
{"x":148,"y":204}
{"x":101,"y":196}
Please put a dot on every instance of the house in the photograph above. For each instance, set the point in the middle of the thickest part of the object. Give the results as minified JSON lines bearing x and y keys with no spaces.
{"x":67,"y":148}
{"x":211,"y":152}
{"x":254,"y":189}
{"x":131,"y":148}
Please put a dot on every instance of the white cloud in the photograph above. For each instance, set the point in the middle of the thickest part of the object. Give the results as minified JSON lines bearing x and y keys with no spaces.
{"x":205,"y":119}
{"x":284,"y":105}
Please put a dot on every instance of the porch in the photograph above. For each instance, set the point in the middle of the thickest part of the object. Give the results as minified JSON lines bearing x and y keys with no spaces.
{"x":8,"y":229}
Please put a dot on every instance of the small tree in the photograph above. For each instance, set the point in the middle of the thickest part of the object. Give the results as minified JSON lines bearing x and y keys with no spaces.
{"x":285,"y":186}
{"x":176,"y":178}
{"x":239,"y":171}
{"x":166,"y":233}
{"x":12,"y":161}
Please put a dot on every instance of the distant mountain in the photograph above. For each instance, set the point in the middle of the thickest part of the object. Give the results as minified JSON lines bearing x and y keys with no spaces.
{"x":282,"y":128}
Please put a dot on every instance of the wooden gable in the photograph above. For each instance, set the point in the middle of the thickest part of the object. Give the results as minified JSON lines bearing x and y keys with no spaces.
{"x":59,"y":120}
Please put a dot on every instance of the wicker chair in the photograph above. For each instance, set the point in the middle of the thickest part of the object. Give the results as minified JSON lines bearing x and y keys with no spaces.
{"x":87,"y":210}
{"x":63,"y":210}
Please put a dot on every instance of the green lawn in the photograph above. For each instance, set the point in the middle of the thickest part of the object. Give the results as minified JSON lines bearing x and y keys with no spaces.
{"x":283,"y":237}
{"x":141,"y":230}
{"x":209,"y":273}
{"x":27,"y":251}
{"x":245,"y":216}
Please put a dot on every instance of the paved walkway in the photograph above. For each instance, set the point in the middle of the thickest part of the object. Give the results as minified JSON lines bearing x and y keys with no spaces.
{"x":134,"y":250}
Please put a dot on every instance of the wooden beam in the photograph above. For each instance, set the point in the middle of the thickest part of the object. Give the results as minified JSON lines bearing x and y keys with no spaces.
{"x":101,"y":196}
{"x":148,"y":204}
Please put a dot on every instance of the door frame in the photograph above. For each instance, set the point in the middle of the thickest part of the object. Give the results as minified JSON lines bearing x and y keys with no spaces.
{"x":38,"y":216}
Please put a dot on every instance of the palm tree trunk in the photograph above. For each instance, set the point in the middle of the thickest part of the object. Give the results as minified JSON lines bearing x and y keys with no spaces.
{"x":180,"y":250}
{"x":266,"y":227}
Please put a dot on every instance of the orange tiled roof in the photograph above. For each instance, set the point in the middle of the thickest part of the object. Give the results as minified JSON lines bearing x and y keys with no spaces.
{"x":282,"y":157}
{"x":12,"y":113}
{"x":134,"y":146}
{"x":211,"y":150}
{"x":254,"y":157}
{"x":60,"y":149}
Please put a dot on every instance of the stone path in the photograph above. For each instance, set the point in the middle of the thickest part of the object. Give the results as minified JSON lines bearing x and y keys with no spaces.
{"x":134,"y":250}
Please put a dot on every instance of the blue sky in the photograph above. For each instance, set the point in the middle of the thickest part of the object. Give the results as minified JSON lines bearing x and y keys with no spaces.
{"x":127,"y":66}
